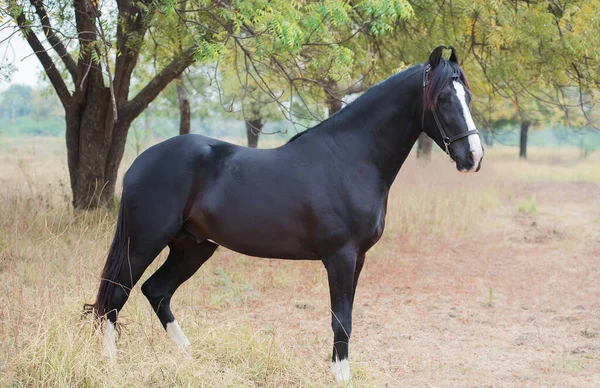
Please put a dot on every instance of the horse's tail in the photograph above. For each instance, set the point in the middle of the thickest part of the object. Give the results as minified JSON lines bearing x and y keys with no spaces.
{"x":114,"y":262}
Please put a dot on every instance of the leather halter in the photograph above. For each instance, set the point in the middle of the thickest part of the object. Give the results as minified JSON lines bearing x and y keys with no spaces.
{"x":446,"y":139}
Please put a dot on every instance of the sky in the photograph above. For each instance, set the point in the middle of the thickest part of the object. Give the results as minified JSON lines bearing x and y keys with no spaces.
{"x":17,"y":51}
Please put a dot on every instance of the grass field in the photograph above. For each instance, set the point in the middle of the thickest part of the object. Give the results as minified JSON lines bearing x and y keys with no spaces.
{"x":491,"y":279}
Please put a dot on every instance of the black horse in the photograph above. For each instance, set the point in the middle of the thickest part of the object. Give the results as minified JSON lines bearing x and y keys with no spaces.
{"x":321,"y":196}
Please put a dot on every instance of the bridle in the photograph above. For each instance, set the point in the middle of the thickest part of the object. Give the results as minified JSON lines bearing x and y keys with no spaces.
{"x":445,"y":138}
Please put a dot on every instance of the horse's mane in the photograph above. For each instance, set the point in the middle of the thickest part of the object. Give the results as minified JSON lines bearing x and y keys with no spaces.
{"x":439,"y":78}
{"x":373,"y":93}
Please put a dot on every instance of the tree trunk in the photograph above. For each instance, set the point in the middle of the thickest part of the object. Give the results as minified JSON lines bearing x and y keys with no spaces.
{"x":334,"y":105}
{"x":488,"y":137}
{"x":332,"y":100}
{"x":253,"y":128}
{"x":93,"y":158}
{"x":333,"y":94}
{"x":424,"y":145}
{"x":184,"y":107}
{"x":523,"y":142}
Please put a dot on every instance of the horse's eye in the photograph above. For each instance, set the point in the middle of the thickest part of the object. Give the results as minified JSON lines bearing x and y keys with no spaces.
{"x":444,"y":99}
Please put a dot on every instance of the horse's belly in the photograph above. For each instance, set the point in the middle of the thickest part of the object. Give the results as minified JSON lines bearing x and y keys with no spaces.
{"x":255,"y":229}
{"x":262,"y":242}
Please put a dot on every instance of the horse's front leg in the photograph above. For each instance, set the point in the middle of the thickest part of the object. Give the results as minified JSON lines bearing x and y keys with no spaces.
{"x":341,"y":273}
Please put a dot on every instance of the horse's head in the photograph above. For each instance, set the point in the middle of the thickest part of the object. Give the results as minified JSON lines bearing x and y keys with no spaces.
{"x":446,"y":114}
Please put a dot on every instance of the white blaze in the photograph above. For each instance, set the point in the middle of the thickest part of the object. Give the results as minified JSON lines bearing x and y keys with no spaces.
{"x":110,"y":341}
{"x":474,"y":140}
{"x":176,"y":334}
{"x":341,"y":372}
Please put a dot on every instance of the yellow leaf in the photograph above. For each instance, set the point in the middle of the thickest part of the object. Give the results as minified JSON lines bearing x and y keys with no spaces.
{"x":470,"y":25}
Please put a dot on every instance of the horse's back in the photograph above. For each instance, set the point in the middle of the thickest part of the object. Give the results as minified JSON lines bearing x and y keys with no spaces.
{"x":167,"y":153}
{"x":159,"y":182}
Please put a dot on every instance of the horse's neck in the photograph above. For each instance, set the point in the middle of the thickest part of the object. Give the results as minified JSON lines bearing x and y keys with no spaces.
{"x":381,"y":129}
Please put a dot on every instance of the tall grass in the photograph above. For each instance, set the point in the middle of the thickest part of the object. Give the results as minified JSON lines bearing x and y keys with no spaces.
{"x":547,"y":164}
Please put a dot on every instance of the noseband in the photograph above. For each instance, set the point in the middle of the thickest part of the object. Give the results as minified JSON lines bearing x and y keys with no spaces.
{"x":446,"y":139}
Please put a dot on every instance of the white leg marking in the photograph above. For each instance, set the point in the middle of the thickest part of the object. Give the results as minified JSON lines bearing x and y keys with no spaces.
{"x":341,"y":372}
{"x":176,"y":334}
{"x":474,"y":140}
{"x":110,"y":342}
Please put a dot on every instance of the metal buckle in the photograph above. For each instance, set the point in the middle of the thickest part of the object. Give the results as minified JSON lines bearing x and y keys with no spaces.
{"x":425,"y":76}
{"x":446,"y":145}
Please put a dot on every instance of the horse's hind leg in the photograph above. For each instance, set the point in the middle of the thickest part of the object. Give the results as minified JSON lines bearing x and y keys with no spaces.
{"x":185,"y":258}
{"x":138,"y":259}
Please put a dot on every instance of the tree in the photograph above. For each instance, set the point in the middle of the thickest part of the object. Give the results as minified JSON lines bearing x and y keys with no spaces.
{"x":424,"y":145}
{"x":539,"y":55}
{"x":523,"y":138}
{"x":311,"y":60}
{"x":93,"y":80}
{"x":184,"y":107}
{"x":16,"y":101}
{"x":254,"y":122}
{"x":94,"y":92}
{"x":45,"y":104}
{"x":535,"y":54}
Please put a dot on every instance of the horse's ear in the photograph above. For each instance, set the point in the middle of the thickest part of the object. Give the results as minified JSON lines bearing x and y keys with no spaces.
{"x":453,"y":55}
{"x":436,"y":55}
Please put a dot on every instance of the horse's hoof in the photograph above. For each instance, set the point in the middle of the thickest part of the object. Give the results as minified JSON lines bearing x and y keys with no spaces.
{"x":341,"y":373}
{"x":110,"y":342}
{"x":177,"y":336}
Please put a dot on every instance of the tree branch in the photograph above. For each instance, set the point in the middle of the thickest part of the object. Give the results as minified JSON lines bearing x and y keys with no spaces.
{"x":135,"y":21}
{"x":54,"y":40}
{"x":87,"y":33}
{"x":53,"y":74}
{"x":357,"y":87}
{"x":131,"y":109}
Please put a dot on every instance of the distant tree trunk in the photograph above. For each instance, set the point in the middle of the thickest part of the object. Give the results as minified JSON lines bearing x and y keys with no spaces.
{"x":184,"y":107}
{"x":332,"y":100}
{"x":523,"y":142}
{"x":141,"y":136}
{"x":334,"y":95}
{"x":424,"y":145}
{"x":147,"y":122}
{"x":253,"y":128}
{"x":487,"y":137}
{"x":334,"y":105}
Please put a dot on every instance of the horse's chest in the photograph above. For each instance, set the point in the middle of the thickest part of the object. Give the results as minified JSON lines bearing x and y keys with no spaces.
{"x":366,"y":221}
{"x":373,"y":228}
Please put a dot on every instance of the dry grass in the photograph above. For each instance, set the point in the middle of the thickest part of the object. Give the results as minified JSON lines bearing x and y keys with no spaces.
{"x":487,"y":279}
